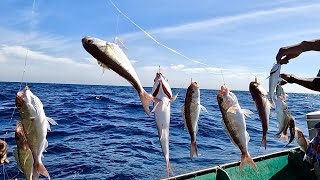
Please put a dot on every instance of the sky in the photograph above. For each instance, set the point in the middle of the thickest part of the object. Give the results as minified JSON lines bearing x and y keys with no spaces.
{"x":234,"y":41}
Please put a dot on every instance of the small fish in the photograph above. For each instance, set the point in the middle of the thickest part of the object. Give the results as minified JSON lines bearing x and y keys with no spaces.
{"x":191,"y":112}
{"x":301,"y":140}
{"x":162,"y":93}
{"x":35,"y":125}
{"x":233,"y":121}
{"x":3,"y":152}
{"x":23,"y":154}
{"x":282,"y":117}
{"x":274,"y":79}
{"x":292,"y":128}
{"x":260,"y":98}
{"x":110,"y":56}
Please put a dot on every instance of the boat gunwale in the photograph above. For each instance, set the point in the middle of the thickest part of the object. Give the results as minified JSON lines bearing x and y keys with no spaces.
{"x":229,"y":165}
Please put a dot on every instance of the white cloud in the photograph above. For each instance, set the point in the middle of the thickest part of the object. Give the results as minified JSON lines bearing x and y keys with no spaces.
{"x":177,"y":67}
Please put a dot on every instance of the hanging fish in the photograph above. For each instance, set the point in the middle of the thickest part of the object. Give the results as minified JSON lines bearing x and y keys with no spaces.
{"x":35,"y":125}
{"x":259,"y":96}
{"x":23,"y":154}
{"x":292,"y":129}
{"x":110,"y":56}
{"x":274,"y":79}
{"x":282,"y":117}
{"x":162,"y":93}
{"x":233,"y":121}
{"x":191,"y":112}
{"x":301,"y":140}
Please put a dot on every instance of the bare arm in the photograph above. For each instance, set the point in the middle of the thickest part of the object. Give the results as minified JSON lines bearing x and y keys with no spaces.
{"x":310,"y":83}
{"x":290,"y":52}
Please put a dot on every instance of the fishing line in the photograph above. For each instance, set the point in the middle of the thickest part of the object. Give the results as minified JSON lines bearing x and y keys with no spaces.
{"x":156,"y":41}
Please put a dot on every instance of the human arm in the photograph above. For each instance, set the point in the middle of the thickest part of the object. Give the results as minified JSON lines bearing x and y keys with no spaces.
{"x":310,"y":83}
{"x":290,"y":52}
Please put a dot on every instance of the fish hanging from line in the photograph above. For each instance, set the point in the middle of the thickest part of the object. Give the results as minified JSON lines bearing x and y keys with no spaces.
{"x":191,"y":111}
{"x":260,"y":98}
{"x":302,"y":140}
{"x":110,"y":56}
{"x":35,"y":125}
{"x":162,"y":94}
{"x":233,"y":121}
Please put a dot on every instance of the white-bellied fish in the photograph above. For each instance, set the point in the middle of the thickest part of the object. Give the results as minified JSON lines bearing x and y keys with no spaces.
{"x":233,"y":121}
{"x":35,"y":125}
{"x":110,"y":56}
{"x":260,"y":98}
{"x":301,"y":140}
{"x":282,"y":117}
{"x":274,"y":79}
{"x":191,"y":112}
{"x":162,"y":94}
{"x":23,"y":154}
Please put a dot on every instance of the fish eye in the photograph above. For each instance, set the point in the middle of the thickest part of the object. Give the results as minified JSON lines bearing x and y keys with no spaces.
{"x":220,"y":99}
{"x":89,"y":41}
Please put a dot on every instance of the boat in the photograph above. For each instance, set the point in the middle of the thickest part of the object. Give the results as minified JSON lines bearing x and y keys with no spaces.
{"x":287,"y":164}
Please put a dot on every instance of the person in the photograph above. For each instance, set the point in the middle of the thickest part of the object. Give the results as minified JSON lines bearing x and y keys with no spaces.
{"x":290,"y":52}
{"x":313,"y":151}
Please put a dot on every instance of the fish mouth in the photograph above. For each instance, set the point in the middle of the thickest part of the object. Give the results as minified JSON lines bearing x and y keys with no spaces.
{"x":223,"y":91}
{"x":19,"y":99}
{"x":194,"y":84}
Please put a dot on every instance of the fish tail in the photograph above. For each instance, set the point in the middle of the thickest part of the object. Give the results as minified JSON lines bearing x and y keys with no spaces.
{"x":145,"y":99}
{"x":41,"y":169}
{"x":264,"y":142}
{"x":169,"y":169}
{"x":285,"y":137}
{"x":193,"y":149}
{"x":246,"y":159}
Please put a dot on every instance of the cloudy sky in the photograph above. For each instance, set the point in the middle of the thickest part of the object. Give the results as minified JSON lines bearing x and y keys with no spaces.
{"x":238,"y":40}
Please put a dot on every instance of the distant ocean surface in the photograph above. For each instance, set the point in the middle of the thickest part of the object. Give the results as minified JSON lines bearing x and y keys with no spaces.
{"x":112,"y":138}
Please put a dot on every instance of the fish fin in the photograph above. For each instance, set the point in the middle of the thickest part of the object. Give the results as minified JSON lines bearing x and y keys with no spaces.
{"x":246,"y":112}
{"x":268,"y":77}
{"x":246,"y":159}
{"x":16,"y":157}
{"x":203,"y":108}
{"x":169,"y":169}
{"x":285,"y":137}
{"x":232,"y":109}
{"x":174,"y":97}
{"x":247,"y":138}
{"x":51,"y":121}
{"x":155,"y":106}
{"x":145,"y":99}
{"x":193,"y":149}
{"x":41,"y":169}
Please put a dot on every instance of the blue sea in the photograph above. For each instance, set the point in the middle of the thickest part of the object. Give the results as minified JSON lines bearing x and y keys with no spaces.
{"x":112,"y":138}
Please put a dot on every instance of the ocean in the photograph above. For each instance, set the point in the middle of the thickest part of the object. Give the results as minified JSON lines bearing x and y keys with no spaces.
{"x":112,"y":138}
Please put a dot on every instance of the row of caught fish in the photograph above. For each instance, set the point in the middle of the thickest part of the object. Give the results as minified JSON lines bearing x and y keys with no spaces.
{"x":30,"y":135}
{"x":110,"y":56}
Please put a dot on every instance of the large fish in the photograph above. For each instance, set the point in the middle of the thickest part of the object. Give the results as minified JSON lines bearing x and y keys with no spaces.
{"x":260,"y":98}
{"x":233,"y":121}
{"x":23,"y":154}
{"x":35,"y":125}
{"x":162,"y":93}
{"x":191,"y":112}
{"x":301,"y":140}
{"x":274,"y":79}
{"x":110,"y":56}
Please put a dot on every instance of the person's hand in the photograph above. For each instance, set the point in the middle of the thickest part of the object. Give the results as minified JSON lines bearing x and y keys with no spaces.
{"x":288,"y":77}
{"x":287,"y":53}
